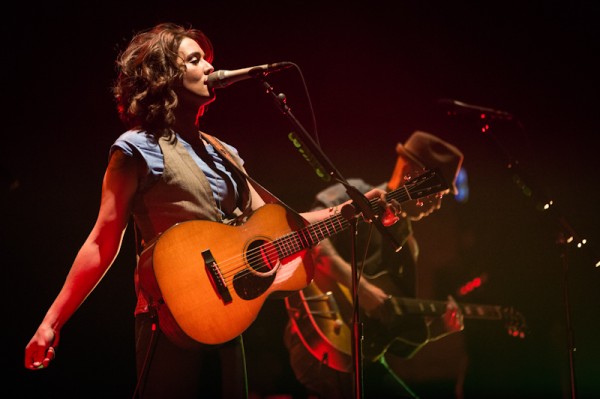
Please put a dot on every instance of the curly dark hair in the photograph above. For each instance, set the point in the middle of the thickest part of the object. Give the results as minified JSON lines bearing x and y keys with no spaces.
{"x":148,"y":71}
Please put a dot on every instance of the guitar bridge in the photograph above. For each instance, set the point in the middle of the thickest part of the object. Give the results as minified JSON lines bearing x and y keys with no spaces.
{"x":218,"y":282}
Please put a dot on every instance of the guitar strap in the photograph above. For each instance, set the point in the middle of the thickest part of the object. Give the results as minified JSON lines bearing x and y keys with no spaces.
{"x":265,"y":194}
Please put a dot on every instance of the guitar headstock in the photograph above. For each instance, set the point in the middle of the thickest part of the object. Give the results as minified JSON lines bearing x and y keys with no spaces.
{"x":514,"y":322}
{"x":428,"y":183}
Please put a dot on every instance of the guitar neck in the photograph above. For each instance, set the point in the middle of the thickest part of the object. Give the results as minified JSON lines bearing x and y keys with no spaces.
{"x":309,"y":236}
{"x":406,"y":306}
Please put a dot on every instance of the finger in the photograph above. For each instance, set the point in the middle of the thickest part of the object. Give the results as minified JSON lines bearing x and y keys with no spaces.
{"x":50,"y":355}
{"x":389,"y":218}
{"x":452,"y":301}
{"x":34,"y":357}
{"x":396,"y":206}
{"x":36,"y":364}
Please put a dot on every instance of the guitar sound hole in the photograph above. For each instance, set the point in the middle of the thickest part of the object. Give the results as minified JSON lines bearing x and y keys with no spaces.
{"x":262,"y":256}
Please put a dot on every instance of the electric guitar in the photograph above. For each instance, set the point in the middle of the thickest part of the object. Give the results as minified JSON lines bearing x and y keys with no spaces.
{"x":209,"y":280}
{"x":322,"y":315}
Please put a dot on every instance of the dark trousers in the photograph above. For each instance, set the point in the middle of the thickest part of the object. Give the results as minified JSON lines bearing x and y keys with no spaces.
{"x":166,"y":370}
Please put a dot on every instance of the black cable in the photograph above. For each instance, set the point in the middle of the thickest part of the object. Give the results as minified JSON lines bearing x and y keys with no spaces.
{"x":151,"y":347}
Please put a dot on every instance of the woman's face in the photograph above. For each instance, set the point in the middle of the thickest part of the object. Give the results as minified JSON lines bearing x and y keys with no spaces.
{"x":197,"y":69}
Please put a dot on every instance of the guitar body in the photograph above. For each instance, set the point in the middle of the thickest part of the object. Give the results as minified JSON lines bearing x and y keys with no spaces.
{"x":322,"y":313}
{"x":210,"y":279}
{"x":322,"y":327}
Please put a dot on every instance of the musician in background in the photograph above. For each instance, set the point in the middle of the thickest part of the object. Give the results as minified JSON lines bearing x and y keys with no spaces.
{"x":327,"y":372}
{"x":160,"y":172}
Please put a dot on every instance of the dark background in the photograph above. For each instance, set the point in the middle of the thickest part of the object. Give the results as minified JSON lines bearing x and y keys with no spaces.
{"x":374,"y":73}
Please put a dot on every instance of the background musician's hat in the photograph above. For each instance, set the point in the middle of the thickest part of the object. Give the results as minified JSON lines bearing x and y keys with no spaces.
{"x":431,"y":152}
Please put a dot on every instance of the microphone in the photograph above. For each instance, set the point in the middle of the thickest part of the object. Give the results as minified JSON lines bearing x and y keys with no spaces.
{"x":459,"y":106}
{"x":220,"y":79}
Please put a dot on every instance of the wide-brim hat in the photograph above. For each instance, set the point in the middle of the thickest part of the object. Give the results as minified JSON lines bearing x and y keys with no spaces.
{"x":431,"y":152}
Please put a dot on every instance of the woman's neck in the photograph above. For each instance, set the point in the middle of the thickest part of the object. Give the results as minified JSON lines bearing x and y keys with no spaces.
{"x":185,"y":125}
{"x":188,"y":132}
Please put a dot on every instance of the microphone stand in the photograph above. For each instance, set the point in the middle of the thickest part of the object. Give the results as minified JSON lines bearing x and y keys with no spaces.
{"x":360,"y":205}
{"x":565,"y":236}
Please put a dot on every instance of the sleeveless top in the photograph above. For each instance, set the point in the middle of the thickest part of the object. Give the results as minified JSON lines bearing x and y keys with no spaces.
{"x":181,"y":192}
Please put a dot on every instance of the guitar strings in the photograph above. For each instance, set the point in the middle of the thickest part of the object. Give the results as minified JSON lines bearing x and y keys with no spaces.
{"x":299,"y":240}
{"x":260,"y":257}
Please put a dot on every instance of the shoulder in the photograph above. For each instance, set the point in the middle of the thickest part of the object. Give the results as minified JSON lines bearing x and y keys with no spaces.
{"x":135,"y":141}
{"x":142,"y":146}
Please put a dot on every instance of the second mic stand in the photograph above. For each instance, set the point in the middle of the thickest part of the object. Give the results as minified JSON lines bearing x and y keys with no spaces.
{"x":565,"y":237}
{"x":360,"y":205}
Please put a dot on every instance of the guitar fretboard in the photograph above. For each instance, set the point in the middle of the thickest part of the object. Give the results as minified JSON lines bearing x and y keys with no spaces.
{"x":307,"y":237}
{"x":404,"y":306}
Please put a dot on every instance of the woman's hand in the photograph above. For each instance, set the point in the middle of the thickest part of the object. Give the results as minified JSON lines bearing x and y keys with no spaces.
{"x":41,"y":349}
{"x":391,"y":209}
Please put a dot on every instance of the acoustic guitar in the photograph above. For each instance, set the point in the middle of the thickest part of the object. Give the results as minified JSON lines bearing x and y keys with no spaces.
{"x":209,"y":280}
